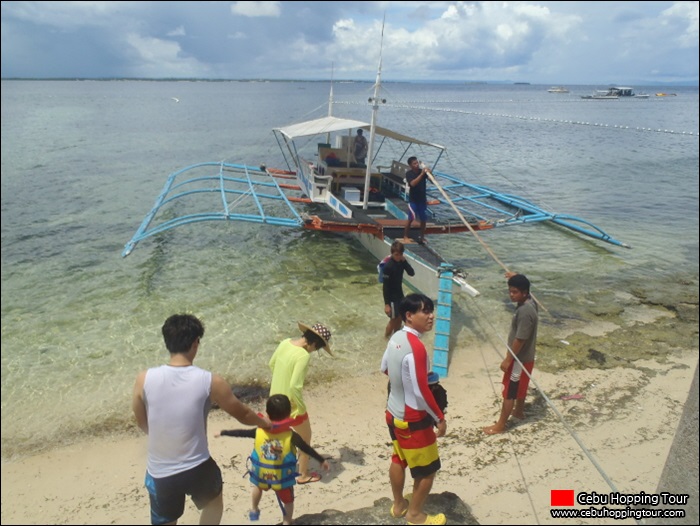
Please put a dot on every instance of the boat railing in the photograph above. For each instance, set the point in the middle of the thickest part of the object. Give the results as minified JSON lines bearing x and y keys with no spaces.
{"x":394,"y":178}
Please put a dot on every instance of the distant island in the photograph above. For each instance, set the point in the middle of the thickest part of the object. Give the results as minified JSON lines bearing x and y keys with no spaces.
{"x":691,"y":84}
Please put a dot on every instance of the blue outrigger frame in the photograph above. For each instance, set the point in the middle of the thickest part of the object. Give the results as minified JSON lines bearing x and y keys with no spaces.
{"x":241,"y":180}
{"x":486,"y":199}
{"x":250,"y":181}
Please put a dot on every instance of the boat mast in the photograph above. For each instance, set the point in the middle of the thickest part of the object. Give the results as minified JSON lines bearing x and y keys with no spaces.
{"x":330,"y":101}
{"x":375,"y":108}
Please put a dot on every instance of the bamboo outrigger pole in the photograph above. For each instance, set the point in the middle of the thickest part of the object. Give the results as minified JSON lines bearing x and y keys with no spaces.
{"x":477,"y":236}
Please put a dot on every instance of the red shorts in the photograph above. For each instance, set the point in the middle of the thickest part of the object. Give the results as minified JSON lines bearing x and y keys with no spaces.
{"x":286,"y":495}
{"x":517,"y":389}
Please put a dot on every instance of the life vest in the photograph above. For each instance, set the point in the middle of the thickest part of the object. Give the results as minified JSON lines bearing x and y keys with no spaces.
{"x":273,"y":462}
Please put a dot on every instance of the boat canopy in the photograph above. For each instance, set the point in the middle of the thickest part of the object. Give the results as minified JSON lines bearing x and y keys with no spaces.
{"x":334,"y":124}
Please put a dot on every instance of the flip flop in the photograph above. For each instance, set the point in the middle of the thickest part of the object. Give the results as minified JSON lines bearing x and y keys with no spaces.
{"x":433,"y":519}
{"x":313,"y":477}
{"x":407,"y":498}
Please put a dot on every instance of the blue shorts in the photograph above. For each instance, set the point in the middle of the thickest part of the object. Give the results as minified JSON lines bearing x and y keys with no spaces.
{"x":418,"y":210}
{"x":167,"y":495}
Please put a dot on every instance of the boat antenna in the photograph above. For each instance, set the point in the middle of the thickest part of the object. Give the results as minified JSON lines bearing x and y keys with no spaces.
{"x":374,"y":100}
{"x":330,"y":97}
{"x":330,"y":101}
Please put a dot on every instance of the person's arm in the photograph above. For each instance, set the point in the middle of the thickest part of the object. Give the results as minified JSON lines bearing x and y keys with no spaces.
{"x":418,"y":367}
{"x":241,"y":433}
{"x":273,"y":360}
{"x":418,"y":178}
{"x":138,"y":404}
{"x":408,"y":268}
{"x":385,"y":362}
{"x":296,"y":384}
{"x":223,"y":396}
{"x":525,"y":323}
{"x":508,"y":360}
{"x":306,"y":448}
{"x":386,"y":283}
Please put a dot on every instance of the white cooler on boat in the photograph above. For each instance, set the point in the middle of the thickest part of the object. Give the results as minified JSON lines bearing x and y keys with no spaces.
{"x":351,"y":194}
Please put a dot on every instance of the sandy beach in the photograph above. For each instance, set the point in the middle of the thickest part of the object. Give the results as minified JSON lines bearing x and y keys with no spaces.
{"x":624,"y":417}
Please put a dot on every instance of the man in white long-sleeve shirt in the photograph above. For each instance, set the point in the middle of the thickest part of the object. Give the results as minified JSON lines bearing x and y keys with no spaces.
{"x":412,"y":412}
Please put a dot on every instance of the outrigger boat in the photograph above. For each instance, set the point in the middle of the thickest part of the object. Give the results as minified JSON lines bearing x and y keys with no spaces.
{"x":325,"y":191}
{"x":323,"y":188}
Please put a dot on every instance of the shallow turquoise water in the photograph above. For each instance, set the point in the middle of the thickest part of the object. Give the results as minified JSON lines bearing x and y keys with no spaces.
{"x":82,"y":162}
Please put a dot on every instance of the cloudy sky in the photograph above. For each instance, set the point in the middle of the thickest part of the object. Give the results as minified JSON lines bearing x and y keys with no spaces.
{"x":539,"y":42}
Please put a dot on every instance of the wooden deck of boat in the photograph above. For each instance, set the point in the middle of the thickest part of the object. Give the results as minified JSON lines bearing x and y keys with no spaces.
{"x":392,"y":227}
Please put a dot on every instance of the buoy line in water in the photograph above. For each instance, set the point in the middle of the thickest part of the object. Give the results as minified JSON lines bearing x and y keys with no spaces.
{"x":535,"y":119}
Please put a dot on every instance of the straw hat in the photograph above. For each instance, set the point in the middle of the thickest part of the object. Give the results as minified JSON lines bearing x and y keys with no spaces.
{"x":321,"y":331}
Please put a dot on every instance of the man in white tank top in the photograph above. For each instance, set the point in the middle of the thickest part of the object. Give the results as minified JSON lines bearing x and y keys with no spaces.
{"x":171,"y":404}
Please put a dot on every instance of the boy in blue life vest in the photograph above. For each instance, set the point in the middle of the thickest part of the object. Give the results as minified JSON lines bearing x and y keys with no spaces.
{"x":273,"y":463}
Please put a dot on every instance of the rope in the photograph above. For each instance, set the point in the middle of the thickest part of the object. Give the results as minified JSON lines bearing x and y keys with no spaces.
{"x":549,"y":403}
{"x":526,"y":117}
{"x":544,"y":396}
{"x":510,"y":442}
{"x":477,"y":236}
{"x":515,"y":357}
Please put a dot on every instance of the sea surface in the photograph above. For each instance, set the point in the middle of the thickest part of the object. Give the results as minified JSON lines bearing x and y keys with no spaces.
{"x":83,"y":162}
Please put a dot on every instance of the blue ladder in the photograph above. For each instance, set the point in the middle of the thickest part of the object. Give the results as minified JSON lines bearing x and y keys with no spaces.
{"x":443,"y":317}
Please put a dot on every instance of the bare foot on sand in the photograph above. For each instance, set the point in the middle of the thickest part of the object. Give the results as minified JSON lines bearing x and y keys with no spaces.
{"x":493,"y":430}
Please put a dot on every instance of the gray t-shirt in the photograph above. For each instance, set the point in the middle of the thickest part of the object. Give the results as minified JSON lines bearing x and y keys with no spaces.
{"x":524,"y":327}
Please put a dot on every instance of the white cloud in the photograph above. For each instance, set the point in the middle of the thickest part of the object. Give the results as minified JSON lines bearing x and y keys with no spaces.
{"x":256,"y":9}
{"x":685,"y":14}
{"x":155,"y":57}
{"x":548,"y":42}
{"x":64,"y":14}
{"x":177,"y":32}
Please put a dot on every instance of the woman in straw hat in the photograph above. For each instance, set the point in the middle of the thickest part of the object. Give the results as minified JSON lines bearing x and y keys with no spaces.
{"x":289,"y":364}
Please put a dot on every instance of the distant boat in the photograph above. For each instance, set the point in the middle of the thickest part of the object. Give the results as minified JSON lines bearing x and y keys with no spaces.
{"x":612,"y":93}
{"x":601,"y":96}
{"x":642,"y":96}
{"x":558,"y":89}
{"x":665,"y":94}
{"x":622,"y":91}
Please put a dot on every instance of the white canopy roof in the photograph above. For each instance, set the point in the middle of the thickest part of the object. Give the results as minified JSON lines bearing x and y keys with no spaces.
{"x":335,"y":124}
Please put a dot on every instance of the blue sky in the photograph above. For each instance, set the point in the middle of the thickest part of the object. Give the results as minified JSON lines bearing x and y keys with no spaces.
{"x":633,"y":43}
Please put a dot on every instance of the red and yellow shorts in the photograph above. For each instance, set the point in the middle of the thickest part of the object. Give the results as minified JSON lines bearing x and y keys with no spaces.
{"x":415,"y":445}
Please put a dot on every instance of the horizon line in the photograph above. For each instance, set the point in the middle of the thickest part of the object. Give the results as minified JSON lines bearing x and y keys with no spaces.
{"x":691,"y":83}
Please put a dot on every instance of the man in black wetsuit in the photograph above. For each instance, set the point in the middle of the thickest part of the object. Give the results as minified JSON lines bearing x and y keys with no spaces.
{"x":393,"y":288}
